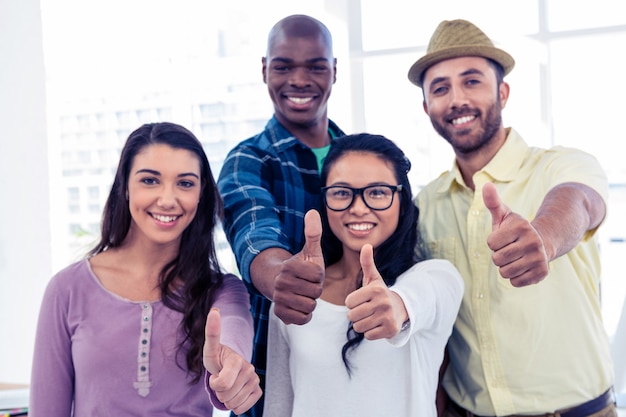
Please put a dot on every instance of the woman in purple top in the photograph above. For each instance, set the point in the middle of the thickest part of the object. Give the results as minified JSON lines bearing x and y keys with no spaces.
{"x":147,"y":325}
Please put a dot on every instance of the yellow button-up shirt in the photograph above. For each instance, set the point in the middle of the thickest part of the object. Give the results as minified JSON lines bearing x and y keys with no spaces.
{"x":527,"y":350}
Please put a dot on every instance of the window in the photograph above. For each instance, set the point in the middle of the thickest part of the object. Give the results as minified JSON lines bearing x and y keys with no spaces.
{"x":73,"y":194}
{"x":93,"y":192}
{"x":204,"y":72}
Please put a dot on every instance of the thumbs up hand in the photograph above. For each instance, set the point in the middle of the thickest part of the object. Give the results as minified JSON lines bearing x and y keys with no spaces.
{"x":518,"y":248}
{"x":374,"y":309}
{"x":371,"y":276}
{"x":233,"y":379}
{"x":299,"y":283}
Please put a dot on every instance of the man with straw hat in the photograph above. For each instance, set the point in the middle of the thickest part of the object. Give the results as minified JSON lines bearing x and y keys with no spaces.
{"x":520,"y":224}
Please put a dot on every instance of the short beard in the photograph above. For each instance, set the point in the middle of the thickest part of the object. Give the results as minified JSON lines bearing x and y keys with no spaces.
{"x":491,"y":124}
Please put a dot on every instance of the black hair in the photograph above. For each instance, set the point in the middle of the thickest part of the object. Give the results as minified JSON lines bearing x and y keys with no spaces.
{"x":396,"y":254}
{"x":497,"y":68}
{"x":196,"y":264}
{"x":299,"y":26}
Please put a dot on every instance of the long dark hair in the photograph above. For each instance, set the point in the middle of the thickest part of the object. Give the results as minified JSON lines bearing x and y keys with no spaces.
{"x":396,"y":254}
{"x":196,"y":264}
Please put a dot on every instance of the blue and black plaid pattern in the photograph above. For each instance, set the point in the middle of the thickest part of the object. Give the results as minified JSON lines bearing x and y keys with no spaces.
{"x":268,"y":183}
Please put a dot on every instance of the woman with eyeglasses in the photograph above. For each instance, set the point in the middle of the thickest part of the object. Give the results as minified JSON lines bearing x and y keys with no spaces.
{"x":338,"y":363}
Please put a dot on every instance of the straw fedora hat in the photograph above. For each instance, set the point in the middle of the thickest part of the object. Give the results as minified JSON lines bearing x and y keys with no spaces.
{"x":456,"y":38}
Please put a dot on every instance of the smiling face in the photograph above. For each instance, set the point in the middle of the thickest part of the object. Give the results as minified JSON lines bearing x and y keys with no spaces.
{"x":164,"y":188}
{"x":359,"y":224}
{"x":299,"y":72}
{"x":464,"y":102}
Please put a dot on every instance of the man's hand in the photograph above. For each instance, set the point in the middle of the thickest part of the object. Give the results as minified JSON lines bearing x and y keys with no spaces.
{"x":299,"y":283}
{"x":518,"y":248}
{"x":232,"y":378}
{"x":375,"y":310}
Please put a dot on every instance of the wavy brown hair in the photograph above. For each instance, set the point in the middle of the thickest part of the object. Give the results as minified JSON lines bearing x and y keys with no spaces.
{"x":196,"y":264}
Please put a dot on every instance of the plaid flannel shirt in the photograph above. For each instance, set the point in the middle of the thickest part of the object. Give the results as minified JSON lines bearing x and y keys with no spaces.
{"x":268,"y":183}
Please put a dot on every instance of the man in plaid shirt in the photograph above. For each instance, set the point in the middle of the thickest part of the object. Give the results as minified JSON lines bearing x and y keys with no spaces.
{"x":271,"y":180}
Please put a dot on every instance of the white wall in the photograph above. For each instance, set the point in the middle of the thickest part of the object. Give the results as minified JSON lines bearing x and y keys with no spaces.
{"x":24,"y":207}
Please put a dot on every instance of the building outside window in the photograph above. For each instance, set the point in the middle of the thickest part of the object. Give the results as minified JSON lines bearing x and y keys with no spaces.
{"x":198,"y":63}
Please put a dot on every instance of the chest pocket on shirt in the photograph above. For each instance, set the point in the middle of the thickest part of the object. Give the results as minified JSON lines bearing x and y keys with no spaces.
{"x":443,"y":249}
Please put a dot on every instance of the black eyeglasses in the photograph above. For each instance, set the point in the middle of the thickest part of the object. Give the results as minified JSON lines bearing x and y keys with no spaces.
{"x":376,"y":197}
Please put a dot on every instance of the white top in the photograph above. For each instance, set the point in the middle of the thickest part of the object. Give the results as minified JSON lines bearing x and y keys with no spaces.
{"x":394,"y":377}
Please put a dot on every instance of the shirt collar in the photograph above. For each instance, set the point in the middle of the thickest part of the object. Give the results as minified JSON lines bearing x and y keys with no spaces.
{"x":503,"y":167}
{"x":282,"y":139}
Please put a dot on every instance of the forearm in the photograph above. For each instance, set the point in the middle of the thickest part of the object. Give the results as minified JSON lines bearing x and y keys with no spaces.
{"x":568,"y":211}
{"x":233,"y":302}
{"x":432,"y":291}
{"x":264,"y":269}
{"x":251,"y":221}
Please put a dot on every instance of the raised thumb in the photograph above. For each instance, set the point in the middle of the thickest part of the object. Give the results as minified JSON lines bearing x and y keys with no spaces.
{"x":494,"y":204}
{"x":370,"y":272}
{"x":212,"y":343}
{"x":312,"y":250}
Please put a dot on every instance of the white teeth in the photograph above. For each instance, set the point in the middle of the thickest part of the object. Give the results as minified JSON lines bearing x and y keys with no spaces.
{"x":165,"y":219}
{"x":361,"y":227}
{"x":462,"y":120}
{"x":300,"y":100}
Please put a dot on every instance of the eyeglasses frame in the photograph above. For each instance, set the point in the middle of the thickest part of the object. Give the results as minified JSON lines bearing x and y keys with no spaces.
{"x":360,"y":192}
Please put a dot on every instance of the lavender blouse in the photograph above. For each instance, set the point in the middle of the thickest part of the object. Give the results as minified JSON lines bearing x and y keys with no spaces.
{"x":98,"y":354}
